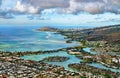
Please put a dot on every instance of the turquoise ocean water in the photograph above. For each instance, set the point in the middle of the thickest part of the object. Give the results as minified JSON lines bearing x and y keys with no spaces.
{"x":29,"y":39}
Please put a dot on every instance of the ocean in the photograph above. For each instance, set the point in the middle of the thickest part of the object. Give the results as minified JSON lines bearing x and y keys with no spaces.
{"x":27,"y":38}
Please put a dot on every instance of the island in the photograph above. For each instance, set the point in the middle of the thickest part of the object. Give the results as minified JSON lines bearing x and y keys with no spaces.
{"x":56,"y":59}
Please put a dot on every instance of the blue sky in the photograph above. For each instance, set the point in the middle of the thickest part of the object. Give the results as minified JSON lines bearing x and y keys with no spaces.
{"x":59,"y":12}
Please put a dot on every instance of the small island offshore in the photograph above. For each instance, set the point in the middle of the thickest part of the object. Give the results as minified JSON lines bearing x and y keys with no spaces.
{"x":98,"y":55}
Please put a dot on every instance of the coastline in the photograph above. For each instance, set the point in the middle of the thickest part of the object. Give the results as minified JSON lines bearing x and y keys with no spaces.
{"x":79,"y":48}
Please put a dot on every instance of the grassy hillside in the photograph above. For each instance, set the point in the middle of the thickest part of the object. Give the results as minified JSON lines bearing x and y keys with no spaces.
{"x":107,"y":33}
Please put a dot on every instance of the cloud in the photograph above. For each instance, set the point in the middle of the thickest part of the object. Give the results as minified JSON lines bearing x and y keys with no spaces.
{"x":59,"y":6}
{"x":0,"y":2}
{"x":71,"y":6}
{"x":36,"y":6}
{"x":22,"y":8}
{"x":43,"y":4}
{"x":93,"y":6}
{"x":6,"y":14}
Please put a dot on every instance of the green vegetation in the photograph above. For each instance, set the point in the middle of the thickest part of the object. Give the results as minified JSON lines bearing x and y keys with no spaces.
{"x":88,"y":60}
{"x":56,"y":59}
{"x":68,"y":41}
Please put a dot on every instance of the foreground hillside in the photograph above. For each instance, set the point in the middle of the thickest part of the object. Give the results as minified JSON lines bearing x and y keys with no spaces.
{"x":108,"y":33}
{"x":103,"y":39}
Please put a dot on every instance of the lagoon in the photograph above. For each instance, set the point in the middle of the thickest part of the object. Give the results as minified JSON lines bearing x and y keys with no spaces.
{"x":73,"y":58}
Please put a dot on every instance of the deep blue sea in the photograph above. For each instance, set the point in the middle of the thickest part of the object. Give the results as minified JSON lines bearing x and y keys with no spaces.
{"x":27,"y":38}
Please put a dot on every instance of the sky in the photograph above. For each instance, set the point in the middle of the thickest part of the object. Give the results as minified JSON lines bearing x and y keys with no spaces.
{"x":59,"y":12}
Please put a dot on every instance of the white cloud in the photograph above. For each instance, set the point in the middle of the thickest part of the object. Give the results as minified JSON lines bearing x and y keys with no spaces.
{"x":32,"y":10}
{"x":60,"y":6}
{"x":25,"y":8}
{"x":20,"y":7}
{"x":93,"y":6}
{"x":65,"y":6}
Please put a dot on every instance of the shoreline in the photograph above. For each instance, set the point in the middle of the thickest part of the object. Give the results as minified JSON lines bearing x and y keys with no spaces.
{"x":78,"y":48}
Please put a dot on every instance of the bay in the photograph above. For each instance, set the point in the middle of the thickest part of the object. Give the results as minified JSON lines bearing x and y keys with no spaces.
{"x":29,"y":39}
